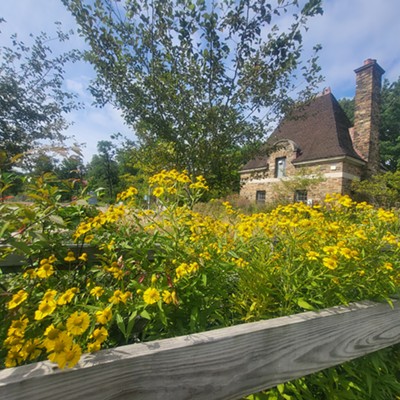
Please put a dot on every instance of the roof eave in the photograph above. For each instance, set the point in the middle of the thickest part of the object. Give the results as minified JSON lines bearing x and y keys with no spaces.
{"x":350,"y":159}
{"x":254,"y":169}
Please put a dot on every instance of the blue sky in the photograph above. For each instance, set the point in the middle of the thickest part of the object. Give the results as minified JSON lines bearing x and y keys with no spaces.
{"x":350,"y":31}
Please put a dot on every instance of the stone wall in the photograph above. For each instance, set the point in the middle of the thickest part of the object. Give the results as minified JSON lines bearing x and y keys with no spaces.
{"x":338,"y":176}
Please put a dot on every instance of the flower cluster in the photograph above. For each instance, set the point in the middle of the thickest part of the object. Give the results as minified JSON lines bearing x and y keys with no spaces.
{"x":172,"y":271}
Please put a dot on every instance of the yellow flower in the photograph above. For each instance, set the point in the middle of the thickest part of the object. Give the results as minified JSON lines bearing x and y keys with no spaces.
{"x":330,"y":262}
{"x":70,"y":257}
{"x":184,"y":269}
{"x":158,"y":191}
{"x":30,"y":273}
{"x":99,"y":334}
{"x":83,"y":257}
{"x":45,"y":271}
{"x":93,"y":347}
{"x":240,"y":262}
{"x":45,"y":308}
{"x":49,"y":295}
{"x":31,"y":349}
{"x":67,"y":297}
{"x":17,"y":299}
{"x":13,"y":357}
{"x":51,"y":333}
{"x":388,"y":266}
{"x":18,"y":326}
{"x":104,"y":316}
{"x":119,"y":297}
{"x":360,"y":234}
{"x":16,"y":340}
{"x":386,"y":216}
{"x":88,"y":238}
{"x":68,"y":357}
{"x":312,"y":255}
{"x":151,"y":296}
{"x":97,"y":291}
{"x":117,"y":272}
{"x":330,"y":249}
{"x":78,"y":322}
{"x":167,"y":297}
{"x":346,"y":252}
{"x":130,"y":192}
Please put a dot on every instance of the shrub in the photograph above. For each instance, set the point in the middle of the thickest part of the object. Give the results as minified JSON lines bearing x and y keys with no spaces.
{"x":172,"y":270}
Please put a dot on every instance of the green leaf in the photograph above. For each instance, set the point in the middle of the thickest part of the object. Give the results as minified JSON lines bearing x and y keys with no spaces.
{"x":131,"y":323}
{"x":4,"y":228}
{"x":57,"y":219}
{"x":303,"y":304}
{"x":145,"y":314}
{"x":20,"y":246}
{"x":120,"y":324}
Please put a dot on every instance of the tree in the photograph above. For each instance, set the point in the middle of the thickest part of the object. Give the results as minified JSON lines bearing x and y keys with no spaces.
{"x":382,"y":190}
{"x":390,"y":125}
{"x":204,"y":77}
{"x":103,"y":169}
{"x":33,"y":102}
{"x":348,"y":107}
{"x":389,"y":131}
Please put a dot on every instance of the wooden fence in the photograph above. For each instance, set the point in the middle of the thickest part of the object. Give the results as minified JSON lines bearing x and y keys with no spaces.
{"x":225,"y":363}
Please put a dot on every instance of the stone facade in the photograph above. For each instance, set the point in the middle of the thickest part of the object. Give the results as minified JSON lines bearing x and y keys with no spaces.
{"x":336,"y":177}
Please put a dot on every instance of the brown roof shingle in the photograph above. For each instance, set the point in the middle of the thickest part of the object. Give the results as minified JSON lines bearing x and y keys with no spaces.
{"x":320,"y":129}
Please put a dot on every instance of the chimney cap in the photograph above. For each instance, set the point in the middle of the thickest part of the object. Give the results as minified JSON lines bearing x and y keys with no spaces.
{"x":326,"y":90}
{"x":370,"y":63}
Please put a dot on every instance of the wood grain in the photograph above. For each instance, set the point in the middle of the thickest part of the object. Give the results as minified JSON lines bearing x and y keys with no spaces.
{"x":221,"y":364}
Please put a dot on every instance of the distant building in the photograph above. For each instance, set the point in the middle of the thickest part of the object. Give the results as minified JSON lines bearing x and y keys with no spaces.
{"x":319,"y":138}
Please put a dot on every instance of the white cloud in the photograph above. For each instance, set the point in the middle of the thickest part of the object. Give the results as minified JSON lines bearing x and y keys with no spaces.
{"x":352,"y":31}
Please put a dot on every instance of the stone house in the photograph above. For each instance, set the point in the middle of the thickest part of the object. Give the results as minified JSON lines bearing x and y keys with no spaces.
{"x":319,"y":139}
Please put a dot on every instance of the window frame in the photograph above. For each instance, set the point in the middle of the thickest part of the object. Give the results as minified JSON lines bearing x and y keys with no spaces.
{"x":301,"y":196}
{"x":280,"y":171}
{"x":263,"y":196}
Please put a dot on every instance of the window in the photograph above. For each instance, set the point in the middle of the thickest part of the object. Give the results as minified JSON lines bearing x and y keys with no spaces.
{"x":260,"y":197}
{"x":300,"y":196}
{"x":280,"y":167}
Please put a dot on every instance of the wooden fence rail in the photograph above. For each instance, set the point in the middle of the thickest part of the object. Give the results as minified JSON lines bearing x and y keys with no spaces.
{"x":225,"y":363}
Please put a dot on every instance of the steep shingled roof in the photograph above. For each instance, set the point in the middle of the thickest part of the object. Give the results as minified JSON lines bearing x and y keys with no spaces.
{"x":320,"y":129}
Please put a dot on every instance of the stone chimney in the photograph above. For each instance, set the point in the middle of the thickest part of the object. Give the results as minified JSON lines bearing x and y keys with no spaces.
{"x":366,"y":116}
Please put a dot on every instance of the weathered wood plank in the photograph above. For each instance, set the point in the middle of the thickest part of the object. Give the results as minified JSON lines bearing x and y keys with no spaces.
{"x":221,"y":364}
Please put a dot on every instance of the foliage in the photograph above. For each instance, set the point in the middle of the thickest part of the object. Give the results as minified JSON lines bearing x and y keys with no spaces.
{"x":382,"y":190}
{"x":33,"y":102}
{"x":389,"y":130}
{"x":171,"y":270}
{"x":390,"y":125}
{"x":349,"y":108}
{"x":202,"y":77}
{"x":103,"y":170}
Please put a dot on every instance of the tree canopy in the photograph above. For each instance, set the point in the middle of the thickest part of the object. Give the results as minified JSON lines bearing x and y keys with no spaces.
{"x":103,"y":169}
{"x":33,"y":102}
{"x":202,"y":77}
